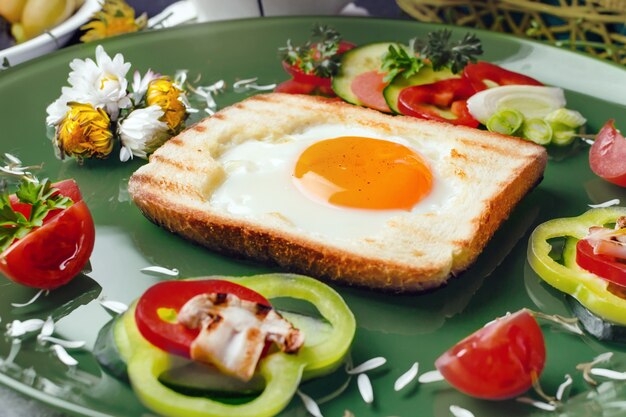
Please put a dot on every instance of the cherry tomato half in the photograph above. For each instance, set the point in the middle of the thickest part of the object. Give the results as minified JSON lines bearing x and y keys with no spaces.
{"x":607,"y":155}
{"x":604,"y":266}
{"x":478,"y":73}
{"x":439,"y":101}
{"x":311,"y":80}
{"x":51,"y":255}
{"x":498,"y":361}
{"x":171,"y":336}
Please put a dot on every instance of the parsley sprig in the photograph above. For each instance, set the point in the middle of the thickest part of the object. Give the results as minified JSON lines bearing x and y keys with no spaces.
{"x":443,"y":53}
{"x":398,"y":60}
{"x":42,"y":198}
{"x":437,"y":48}
{"x":317,"y":56}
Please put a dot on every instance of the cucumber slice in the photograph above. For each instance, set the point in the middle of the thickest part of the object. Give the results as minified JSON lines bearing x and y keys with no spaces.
{"x":426,"y":75}
{"x":107,"y":352}
{"x":357,"y":61}
{"x":189,"y":377}
{"x":194,"y":378}
{"x":595,"y":325}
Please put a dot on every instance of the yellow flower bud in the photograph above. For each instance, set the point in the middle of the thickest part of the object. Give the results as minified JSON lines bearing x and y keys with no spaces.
{"x":167,"y":96}
{"x":85,"y":132}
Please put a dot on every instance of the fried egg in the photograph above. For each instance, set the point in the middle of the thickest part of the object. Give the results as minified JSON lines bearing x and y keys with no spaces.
{"x":334,"y":180}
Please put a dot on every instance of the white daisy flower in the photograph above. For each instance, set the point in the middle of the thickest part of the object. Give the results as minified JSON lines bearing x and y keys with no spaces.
{"x":59,"y":108}
{"x":140,"y":84}
{"x":101,"y":83}
{"x":141,"y":132}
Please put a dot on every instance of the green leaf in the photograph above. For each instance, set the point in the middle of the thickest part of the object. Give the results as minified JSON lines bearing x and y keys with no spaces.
{"x":317,"y":56}
{"x":42,"y":198}
{"x":398,"y":60}
{"x":443,"y":53}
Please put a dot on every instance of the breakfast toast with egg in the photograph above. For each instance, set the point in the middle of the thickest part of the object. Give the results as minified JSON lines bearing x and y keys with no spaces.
{"x":203,"y":185}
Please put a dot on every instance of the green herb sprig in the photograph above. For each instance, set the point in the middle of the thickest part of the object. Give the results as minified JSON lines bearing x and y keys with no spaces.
{"x":443,"y":53}
{"x":42,"y":198}
{"x":398,"y":60}
{"x":437,"y":48}
{"x":317,"y":56}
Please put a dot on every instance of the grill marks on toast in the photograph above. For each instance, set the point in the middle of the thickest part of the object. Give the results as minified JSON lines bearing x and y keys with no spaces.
{"x":172,"y":190}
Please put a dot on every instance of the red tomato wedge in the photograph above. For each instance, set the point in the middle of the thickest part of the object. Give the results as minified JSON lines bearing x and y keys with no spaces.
{"x":604,"y":266}
{"x":499,"y":361}
{"x":368,"y":88}
{"x":478,"y":73}
{"x":305,"y":83}
{"x":304,"y":78}
{"x":52,"y":255}
{"x":438,"y":101}
{"x":171,"y":336}
{"x":294,"y":87}
{"x":608,"y":153}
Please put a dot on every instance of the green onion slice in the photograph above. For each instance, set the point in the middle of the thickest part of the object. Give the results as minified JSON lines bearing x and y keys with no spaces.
{"x":506,"y":122}
{"x":538,"y":131}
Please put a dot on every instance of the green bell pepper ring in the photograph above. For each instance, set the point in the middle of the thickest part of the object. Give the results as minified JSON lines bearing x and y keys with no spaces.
{"x":589,"y":289}
{"x":281,"y":372}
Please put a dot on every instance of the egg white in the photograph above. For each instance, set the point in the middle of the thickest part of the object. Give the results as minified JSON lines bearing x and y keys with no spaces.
{"x":260,"y":182}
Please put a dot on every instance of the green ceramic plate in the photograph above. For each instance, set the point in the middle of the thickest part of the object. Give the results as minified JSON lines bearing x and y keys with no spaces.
{"x":404,"y":329}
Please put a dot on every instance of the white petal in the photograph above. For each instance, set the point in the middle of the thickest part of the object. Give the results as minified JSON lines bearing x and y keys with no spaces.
{"x":460,"y":411}
{"x":47,"y":328}
{"x":603,"y":357}
{"x":368,"y":365}
{"x":161,"y":270}
{"x":537,"y":404}
{"x":29,"y":302}
{"x":67,"y":344}
{"x":608,"y":373}
{"x":365,"y":388}
{"x":430,"y":376}
{"x":609,"y":203}
{"x":64,"y":356}
{"x":562,"y":388}
{"x":310,"y":405}
{"x":406,"y":377}
{"x":114,"y":306}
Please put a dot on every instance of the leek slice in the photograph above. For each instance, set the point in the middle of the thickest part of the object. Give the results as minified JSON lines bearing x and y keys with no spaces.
{"x":567,"y":117}
{"x":506,"y":122}
{"x":538,"y":131}
{"x":533,"y":102}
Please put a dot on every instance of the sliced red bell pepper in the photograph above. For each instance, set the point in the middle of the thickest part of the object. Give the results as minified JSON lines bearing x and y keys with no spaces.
{"x":444,"y":101}
{"x":478,"y":73}
{"x":172,"y":336}
{"x":281,"y":372}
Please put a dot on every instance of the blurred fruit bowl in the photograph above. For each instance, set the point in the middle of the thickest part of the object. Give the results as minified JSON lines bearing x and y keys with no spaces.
{"x":55,"y":37}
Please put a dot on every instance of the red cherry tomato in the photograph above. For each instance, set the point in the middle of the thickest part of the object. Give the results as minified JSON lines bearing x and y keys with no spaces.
{"x":304,"y":78}
{"x":481,"y":71}
{"x":368,"y":88}
{"x":311,"y":80}
{"x":432,"y":101}
{"x":174,"y":337}
{"x":51,"y":255}
{"x":294,"y":87}
{"x":607,"y":155}
{"x":604,"y":266}
{"x":499,"y":361}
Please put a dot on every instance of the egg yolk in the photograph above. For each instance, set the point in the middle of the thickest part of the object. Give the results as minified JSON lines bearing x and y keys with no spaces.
{"x":366,"y":173}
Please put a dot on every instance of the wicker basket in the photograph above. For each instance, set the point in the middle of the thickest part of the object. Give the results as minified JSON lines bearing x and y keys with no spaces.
{"x":597,"y":27}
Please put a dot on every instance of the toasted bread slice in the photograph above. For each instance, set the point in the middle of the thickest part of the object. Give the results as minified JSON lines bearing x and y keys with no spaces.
{"x":487,"y":174}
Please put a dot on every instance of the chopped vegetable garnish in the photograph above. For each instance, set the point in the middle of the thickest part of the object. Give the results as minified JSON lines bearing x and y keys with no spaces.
{"x":506,"y":122}
{"x":537,"y":130}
